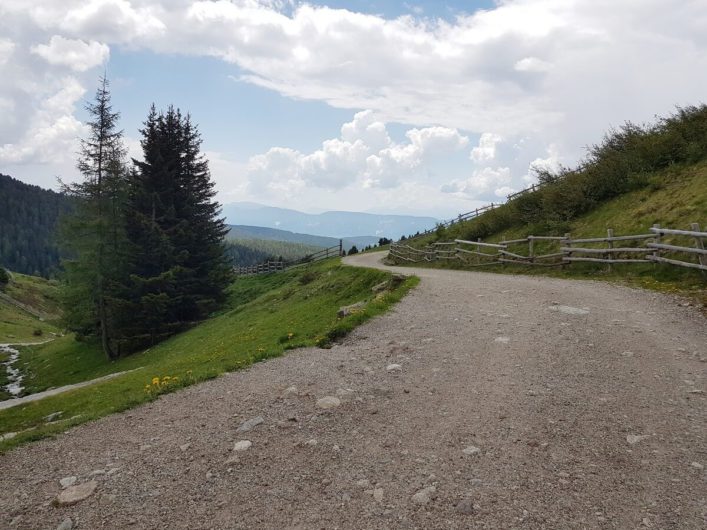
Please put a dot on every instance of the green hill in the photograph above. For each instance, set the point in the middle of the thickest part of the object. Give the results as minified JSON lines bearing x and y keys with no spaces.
{"x":28,"y":308}
{"x":636,"y":177}
{"x":266,"y":315}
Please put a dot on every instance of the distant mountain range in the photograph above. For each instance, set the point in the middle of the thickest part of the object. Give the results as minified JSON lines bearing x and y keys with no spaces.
{"x":273,"y":234}
{"x":329,"y":224}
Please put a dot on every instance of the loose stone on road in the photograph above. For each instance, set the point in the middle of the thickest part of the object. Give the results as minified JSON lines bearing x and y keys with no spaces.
{"x":421,"y":418}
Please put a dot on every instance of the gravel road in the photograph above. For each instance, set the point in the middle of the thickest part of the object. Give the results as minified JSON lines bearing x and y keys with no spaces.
{"x":479,"y":401}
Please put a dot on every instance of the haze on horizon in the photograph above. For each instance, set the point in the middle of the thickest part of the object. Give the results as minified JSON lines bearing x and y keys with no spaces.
{"x":425,"y":108}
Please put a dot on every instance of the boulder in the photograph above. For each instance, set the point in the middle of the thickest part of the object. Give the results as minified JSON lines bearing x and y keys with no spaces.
{"x":347,"y":310}
{"x":74,"y":494}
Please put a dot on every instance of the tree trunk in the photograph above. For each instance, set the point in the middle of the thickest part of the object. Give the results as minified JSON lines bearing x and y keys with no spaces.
{"x":105,"y":338}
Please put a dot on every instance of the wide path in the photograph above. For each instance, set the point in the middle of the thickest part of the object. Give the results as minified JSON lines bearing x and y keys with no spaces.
{"x":516,"y":402}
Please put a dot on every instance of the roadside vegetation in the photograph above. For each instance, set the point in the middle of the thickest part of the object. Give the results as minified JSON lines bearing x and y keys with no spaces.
{"x":636,"y":177}
{"x":264,"y":317}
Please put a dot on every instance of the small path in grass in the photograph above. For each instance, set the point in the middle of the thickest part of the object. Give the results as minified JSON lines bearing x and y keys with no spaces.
{"x":14,"y":402}
{"x":479,"y":401}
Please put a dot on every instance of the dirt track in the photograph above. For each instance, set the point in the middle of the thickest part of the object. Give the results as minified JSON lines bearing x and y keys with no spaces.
{"x":579,"y":404}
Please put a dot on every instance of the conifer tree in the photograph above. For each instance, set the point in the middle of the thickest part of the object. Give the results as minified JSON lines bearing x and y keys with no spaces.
{"x":179,"y":269}
{"x":93,"y":235}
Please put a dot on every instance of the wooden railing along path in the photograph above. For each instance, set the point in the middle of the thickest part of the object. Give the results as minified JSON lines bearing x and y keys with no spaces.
{"x":474,"y":213}
{"x":275,"y":266}
{"x":640,"y":248}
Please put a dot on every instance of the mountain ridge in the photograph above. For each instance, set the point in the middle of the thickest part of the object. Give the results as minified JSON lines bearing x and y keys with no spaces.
{"x":239,"y":232}
{"x":332,"y":223}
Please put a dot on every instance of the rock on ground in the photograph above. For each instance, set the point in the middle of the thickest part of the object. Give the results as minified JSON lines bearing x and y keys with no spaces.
{"x":250,"y":424}
{"x":425,"y":495}
{"x":74,"y":494}
{"x":328,"y":402}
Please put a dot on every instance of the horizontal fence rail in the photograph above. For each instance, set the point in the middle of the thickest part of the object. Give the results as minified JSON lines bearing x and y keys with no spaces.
{"x":563,"y":250}
{"x":275,"y":266}
{"x":474,"y":213}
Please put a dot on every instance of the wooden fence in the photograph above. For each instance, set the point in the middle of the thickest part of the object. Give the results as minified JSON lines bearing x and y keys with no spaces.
{"x":659,"y":245}
{"x":474,"y":213}
{"x":275,"y":266}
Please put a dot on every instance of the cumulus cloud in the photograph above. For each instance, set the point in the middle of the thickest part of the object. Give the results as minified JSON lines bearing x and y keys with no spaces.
{"x":363,"y":155}
{"x":553,"y":72}
{"x":74,"y":53}
{"x":551,"y":163}
{"x":53,"y":130}
{"x":486,"y":150}
{"x":482,"y":183}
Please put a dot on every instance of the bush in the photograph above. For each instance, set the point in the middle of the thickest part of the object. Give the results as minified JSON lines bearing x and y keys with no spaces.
{"x":4,"y":277}
{"x":308,"y":277}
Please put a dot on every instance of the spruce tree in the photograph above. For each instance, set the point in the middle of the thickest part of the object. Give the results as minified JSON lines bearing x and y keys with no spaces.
{"x":92,"y":235}
{"x":179,"y":269}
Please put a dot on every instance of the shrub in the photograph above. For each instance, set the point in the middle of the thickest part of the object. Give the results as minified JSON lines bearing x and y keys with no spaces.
{"x":4,"y":277}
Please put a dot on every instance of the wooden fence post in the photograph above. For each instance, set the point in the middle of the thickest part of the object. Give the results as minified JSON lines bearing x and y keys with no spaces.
{"x":567,"y":242}
{"x":531,"y":249}
{"x":656,"y":251}
{"x":700,"y":245}
{"x":610,"y":245}
{"x":341,"y":247}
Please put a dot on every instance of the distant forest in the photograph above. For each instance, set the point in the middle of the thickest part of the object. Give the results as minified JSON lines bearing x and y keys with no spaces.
{"x":28,"y":223}
{"x":28,"y":220}
{"x":247,"y":252}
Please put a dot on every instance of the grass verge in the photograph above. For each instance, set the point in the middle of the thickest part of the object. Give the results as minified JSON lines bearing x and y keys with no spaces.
{"x":17,"y":325}
{"x":674,"y":198}
{"x":266,"y":316}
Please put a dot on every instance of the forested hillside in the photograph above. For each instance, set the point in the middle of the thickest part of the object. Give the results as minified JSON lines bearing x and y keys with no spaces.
{"x":28,"y":218}
{"x":274,"y":234}
{"x":247,"y":252}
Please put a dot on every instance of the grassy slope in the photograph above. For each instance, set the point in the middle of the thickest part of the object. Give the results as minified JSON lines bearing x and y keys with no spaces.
{"x":673,"y":200}
{"x":17,"y":325}
{"x":267,"y":315}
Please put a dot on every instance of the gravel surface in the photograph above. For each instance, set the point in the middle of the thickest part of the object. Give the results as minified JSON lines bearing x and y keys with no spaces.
{"x":519,"y":402}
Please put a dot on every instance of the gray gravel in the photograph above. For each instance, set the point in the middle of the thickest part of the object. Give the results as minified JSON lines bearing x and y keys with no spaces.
{"x":576,"y":419}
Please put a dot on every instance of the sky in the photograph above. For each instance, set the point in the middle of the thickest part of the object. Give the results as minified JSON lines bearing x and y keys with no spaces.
{"x":420,"y":107}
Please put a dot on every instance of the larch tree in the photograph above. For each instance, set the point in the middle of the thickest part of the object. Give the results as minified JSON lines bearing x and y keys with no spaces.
{"x":93,"y":234}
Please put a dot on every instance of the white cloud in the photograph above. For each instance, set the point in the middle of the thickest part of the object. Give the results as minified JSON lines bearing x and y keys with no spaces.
{"x":550,"y":72}
{"x":53,"y":131}
{"x":104,"y":20}
{"x":532,"y":64}
{"x":7,"y":47}
{"x":364,"y":156}
{"x":481,"y":183}
{"x":486,"y":150}
{"x":551,"y":163}
{"x":367,"y":128}
{"x":74,"y":53}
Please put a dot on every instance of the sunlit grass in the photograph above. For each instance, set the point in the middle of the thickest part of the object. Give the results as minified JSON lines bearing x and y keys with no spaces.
{"x":266,"y":316}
